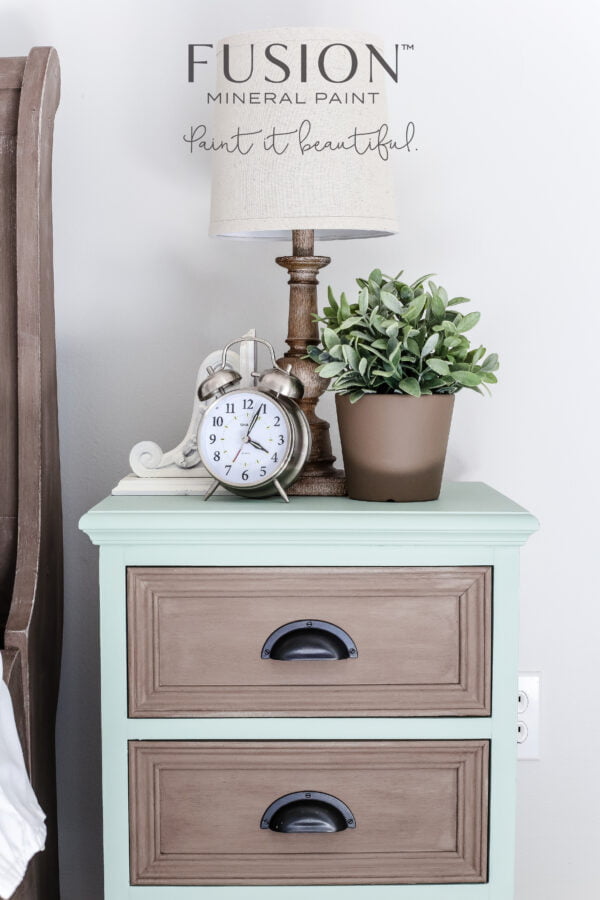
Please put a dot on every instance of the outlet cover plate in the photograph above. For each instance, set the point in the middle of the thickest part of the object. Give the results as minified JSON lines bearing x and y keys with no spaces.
{"x":528,"y":716}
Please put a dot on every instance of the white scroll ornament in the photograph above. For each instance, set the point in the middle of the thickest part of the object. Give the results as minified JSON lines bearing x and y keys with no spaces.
{"x":153,"y":471}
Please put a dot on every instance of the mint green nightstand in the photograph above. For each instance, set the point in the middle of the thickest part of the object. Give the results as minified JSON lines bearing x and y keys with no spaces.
{"x":314,"y":700}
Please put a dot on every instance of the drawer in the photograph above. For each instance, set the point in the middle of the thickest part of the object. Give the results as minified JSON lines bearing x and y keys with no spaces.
{"x":200,"y":812}
{"x":309,"y":641}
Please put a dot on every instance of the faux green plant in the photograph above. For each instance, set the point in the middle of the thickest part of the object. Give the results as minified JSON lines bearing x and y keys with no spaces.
{"x":400,"y":338}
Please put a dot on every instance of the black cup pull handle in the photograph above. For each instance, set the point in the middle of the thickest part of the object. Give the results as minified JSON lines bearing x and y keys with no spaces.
{"x":307,"y":812}
{"x":309,"y":639}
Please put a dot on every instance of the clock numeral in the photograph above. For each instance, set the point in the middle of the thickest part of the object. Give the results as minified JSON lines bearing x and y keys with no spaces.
{"x":245,"y":475}
{"x":212,"y":438}
{"x":228,"y":468}
{"x":230,"y":407}
{"x":262,"y":409}
{"x":277,"y":421}
{"x":263,"y":471}
{"x":217,"y":421}
{"x":217,"y":455}
{"x":275,"y":458}
{"x":281,"y":440}
{"x":248,"y":403}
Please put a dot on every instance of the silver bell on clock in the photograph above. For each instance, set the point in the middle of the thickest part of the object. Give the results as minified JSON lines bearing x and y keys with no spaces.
{"x":253,"y":441}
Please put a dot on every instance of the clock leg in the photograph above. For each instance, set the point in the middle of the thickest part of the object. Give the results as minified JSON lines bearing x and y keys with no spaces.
{"x":281,"y":491}
{"x":211,"y":490}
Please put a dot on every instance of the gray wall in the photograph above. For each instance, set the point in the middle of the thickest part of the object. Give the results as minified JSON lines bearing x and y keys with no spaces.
{"x":500,"y":199}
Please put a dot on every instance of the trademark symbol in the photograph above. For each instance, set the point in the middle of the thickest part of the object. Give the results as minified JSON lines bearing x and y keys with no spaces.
{"x":407,"y":46}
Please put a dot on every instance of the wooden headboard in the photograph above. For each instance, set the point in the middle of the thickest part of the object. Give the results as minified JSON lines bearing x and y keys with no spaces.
{"x":31,"y":576}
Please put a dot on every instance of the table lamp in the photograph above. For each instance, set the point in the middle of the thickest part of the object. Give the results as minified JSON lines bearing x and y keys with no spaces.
{"x":298,"y":113}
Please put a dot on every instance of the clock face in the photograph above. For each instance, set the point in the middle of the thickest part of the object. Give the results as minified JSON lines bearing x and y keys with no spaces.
{"x":245,"y":438}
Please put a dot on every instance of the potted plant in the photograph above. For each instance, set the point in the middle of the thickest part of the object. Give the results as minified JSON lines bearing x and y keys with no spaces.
{"x":396,"y":358}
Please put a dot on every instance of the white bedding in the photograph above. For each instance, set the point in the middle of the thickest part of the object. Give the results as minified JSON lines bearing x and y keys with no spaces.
{"x":22,"y":828}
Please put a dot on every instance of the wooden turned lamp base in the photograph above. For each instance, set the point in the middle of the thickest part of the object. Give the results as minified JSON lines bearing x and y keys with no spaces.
{"x":319,"y":477}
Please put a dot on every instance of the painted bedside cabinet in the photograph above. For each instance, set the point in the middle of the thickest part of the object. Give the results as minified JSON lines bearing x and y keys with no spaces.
{"x":314,"y":700}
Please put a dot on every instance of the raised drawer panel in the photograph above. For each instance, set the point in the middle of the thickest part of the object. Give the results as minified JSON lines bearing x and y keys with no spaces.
{"x":422,"y":638}
{"x":420,"y":811}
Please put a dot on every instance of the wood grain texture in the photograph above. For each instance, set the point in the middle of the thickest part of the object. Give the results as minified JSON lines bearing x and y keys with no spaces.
{"x":421,"y":812}
{"x":11,"y":72}
{"x":319,"y":477}
{"x":9,"y":108}
{"x":34,"y":616}
{"x":423,"y":635}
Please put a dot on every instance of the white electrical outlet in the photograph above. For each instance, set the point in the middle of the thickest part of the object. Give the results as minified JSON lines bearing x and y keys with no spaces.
{"x":528,"y":716}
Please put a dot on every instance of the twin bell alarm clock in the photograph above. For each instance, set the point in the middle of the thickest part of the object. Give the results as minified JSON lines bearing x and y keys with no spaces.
{"x":253,"y":441}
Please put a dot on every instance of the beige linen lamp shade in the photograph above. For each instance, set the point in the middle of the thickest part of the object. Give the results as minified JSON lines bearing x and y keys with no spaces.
{"x":267,"y":192}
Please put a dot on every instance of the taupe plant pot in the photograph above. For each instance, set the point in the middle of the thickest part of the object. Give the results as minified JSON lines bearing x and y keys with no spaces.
{"x":394,"y":446}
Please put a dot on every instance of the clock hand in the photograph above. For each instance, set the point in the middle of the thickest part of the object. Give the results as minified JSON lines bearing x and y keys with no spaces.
{"x":257,"y":445}
{"x":246,"y":439}
{"x":253,"y":422}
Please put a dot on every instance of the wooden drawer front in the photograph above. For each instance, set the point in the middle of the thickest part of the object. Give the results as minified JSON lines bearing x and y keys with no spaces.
{"x":422,"y":637}
{"x":420,"y":812}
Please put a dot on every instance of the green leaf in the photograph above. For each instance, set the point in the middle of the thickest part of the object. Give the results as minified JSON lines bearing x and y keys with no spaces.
{"x":469,"y":379}
{"x":350,"y":322}
{"x":329,"y":370}
{"x":363,"y":301}
{"x":350,"y":355}
{"x":376,"y":276}
{"x":450,"y":343}
{"x":489,"y":377}
{"x":356,"y":395}
{"x":456,"y":300}
{"x":329,"y":338}
{"x":362,"y":365}
{"x":490,"y":363}
{"x":475,"y":355}
{"x":391,"y":302}
{"x":421,"y":281}
{"x":468,"y":322}
{"x":413,"y":347}
{"x":449,"y":327}
{"x":429,"y":345}
{"x":437,"y":307}
{"x":331,"y":298}
{"x":415,"y":308}
{"x":438,"y":365}
{"x":410,"y":386}
{"x":344,"y":308}
{"x":380,"y":324}
{"x":395,"y":356}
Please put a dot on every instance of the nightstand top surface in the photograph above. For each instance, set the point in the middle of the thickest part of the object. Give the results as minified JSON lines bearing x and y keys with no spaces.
{"x":468,"y":507}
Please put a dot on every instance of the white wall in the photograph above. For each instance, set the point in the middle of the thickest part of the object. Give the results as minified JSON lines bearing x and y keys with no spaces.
{"x":501,"y":200}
